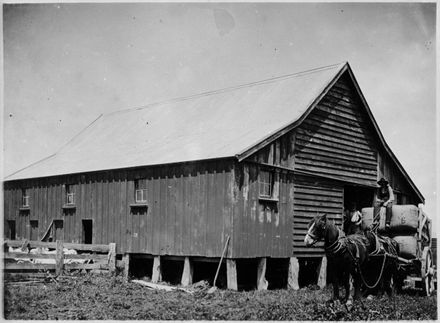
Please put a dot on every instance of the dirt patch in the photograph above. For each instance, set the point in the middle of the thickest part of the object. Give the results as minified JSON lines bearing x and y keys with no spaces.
{"x":101,"y":297}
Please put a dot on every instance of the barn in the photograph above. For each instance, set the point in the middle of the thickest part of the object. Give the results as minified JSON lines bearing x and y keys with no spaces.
{"x":240,"y":170}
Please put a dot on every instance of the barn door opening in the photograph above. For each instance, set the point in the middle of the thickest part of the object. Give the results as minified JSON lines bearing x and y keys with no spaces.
{"x":10,"y":230}
{"x":360,"y":196}
{"x":87,"y":231}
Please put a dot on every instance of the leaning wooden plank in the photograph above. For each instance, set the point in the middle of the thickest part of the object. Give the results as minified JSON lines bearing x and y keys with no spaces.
{"x":27,"y":282}
{"x":47,"y":231}
{"x":158,"y":286}
{"x":20,"y":276}
{"x":27,"y":265}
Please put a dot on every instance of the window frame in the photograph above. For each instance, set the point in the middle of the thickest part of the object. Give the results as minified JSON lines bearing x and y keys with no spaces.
{"x":143,"y":194}
{"x":69,"y":194}
{"x":274,"y":181}
{"x":140,"y":190}
{"x":265,"y":188}
{"x":24,"y":197}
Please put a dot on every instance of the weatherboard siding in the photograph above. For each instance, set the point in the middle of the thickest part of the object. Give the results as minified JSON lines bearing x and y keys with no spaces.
{"x":314,"y":196}
{"x":189,"y":208}
{"x":336,"y":139}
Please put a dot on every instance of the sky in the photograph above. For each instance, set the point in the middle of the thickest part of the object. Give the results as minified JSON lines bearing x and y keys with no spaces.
{"x":65,"y":64}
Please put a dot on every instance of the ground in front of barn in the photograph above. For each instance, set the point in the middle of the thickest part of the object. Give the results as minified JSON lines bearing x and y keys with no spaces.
{"x":104,"y":297}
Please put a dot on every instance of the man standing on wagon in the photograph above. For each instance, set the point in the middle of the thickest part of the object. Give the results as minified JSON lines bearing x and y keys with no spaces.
{"x":384,"y":197}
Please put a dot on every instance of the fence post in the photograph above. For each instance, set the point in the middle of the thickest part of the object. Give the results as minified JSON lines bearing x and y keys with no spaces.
{"x":59,"y":258}
{"x":112,"y":257}
{"x":126,"y":267}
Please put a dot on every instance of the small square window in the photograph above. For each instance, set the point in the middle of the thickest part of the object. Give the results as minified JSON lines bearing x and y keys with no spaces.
{"x":24,"y":198}
{"x":70,"y":195}
{"x":140,"y":187}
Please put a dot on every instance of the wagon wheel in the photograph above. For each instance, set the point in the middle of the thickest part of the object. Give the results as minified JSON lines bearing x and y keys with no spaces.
{"x":427,"y":271}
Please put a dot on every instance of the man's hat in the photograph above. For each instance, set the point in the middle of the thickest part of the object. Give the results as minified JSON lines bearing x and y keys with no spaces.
{"x":382,"y":180}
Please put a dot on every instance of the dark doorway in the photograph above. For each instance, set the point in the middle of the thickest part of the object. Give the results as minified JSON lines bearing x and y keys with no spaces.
{"x":277,"y":271}
{"x":10,"y":229}
{"x":362,"y":196}
{"x":87,"y":231}
{"x":247,"y":274}
{"x":206,"y":271}
{"x":171,"y":271}
{"x":308,"y":271}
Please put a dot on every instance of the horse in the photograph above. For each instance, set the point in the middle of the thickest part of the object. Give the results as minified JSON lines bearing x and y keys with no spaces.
{"x":379,"y":269}
{"x":345,"y":254}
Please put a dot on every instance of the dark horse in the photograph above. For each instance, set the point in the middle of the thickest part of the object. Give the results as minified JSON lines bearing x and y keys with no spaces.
{"x":345,"y":254}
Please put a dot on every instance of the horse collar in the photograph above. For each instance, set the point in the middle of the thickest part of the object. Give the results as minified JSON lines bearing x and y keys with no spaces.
{"x":336,"y":246}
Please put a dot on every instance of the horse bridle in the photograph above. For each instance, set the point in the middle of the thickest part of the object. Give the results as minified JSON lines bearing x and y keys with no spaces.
{"x":313,"y":236}
{"x":335,"y":247}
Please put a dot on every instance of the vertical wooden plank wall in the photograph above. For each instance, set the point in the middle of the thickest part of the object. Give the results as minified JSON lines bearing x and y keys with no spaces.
{"x":189,"y":208}
{"x":264,"y":228}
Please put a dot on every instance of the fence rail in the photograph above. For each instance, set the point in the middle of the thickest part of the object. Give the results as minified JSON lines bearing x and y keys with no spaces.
{"x":104,"y":261}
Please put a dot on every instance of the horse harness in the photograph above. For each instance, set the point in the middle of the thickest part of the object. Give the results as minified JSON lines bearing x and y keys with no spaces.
{"x":340,"y":246}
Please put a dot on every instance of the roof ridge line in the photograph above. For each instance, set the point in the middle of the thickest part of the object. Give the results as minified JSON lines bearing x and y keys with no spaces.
{"x":227,"y":89}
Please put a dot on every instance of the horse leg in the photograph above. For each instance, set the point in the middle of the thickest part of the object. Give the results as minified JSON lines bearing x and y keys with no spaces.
{"x":334,"y":278}
{"x":346,"y":287}
{"x":380,"y":288}
{"x":388,"y":287}
{"x":335,"y":289}
{"x":391,"y":275}
{"x":357,"y":286}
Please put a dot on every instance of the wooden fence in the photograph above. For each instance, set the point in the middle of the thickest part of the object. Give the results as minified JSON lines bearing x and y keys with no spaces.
{"x":103,"y":257}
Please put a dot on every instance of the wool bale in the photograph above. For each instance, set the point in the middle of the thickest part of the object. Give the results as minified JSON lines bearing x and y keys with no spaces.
{"x":407,"y":246}
{"x":404,"y":218}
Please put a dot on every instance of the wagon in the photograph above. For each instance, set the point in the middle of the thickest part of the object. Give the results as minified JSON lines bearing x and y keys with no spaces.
{"x":411,"y":228}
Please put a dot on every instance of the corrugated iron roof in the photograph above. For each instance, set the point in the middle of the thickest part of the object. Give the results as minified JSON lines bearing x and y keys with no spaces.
{"x":215,"y":124}
{"x":231,"y":122}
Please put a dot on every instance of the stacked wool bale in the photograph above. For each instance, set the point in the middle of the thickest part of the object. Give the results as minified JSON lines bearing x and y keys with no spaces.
{"x":403,"y":227}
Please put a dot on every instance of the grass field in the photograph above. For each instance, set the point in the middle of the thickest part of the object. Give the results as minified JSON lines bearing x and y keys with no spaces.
{"x":101,"y":297}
